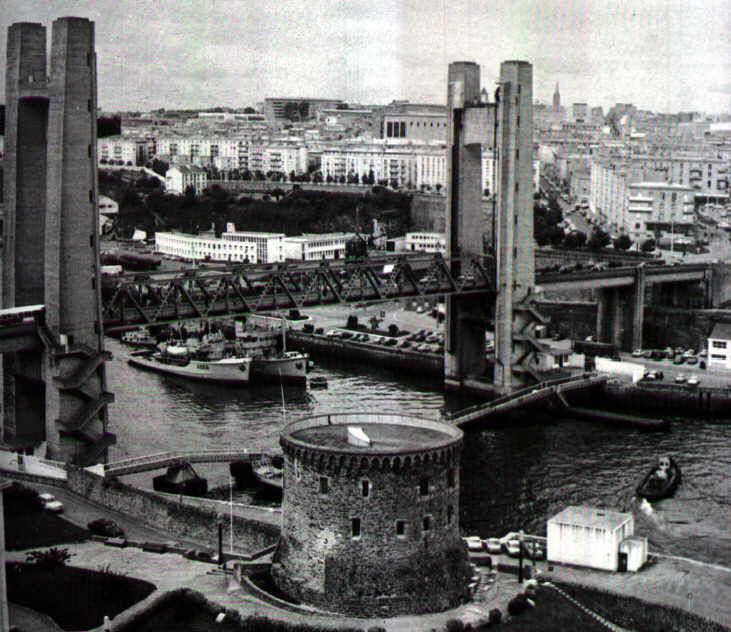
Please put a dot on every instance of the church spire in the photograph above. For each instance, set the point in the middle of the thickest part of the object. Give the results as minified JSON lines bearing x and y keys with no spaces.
{"x":556,"y":98}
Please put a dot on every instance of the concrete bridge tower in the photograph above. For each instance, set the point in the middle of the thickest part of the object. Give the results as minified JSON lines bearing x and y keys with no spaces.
{"x":506,"y":128}
{"x":55,"y":393}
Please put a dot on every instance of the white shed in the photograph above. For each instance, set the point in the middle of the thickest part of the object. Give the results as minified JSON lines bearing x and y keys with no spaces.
{"x":587,"y":536}
{"x":634,"y":551}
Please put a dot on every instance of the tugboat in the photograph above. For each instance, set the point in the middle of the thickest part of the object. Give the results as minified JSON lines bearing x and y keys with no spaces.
{"x":661,"y":481}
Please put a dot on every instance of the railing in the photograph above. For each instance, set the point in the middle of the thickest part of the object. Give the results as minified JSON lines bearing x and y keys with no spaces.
{"x":240,"y":289}
{"x":163,"y":459}
{"x":524,"y":396}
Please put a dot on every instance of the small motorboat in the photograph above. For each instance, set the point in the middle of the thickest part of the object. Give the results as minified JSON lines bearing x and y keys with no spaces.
{"x":269,"y":471}
{"x":318,"y":381}
{"x":661,"y":481}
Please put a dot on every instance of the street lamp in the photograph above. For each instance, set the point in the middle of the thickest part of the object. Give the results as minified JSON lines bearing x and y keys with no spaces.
{"x":219,"y":521}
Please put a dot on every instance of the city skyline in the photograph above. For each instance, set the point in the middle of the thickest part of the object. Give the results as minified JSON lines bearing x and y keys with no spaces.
{"x":665,"y":56}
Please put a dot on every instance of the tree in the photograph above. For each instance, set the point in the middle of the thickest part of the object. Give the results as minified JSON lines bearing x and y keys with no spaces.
{"x":575,"y":239}
{"x":648,"y":245}
{"x":317,"y":177}
{"x":249,"y":110}
{"x":371,"y":177}
{"x":303,"y":108}
{"x":599,"y":239}
{"x":341,"y":106}
{"x":438,"y":187}
{"x":623,"y":242}
{"x":291,"y":111}
{"x":189,"y":196}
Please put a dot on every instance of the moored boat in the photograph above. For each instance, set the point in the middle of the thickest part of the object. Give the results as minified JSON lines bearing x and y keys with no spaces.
{"x":139,"y":338}
{"x":287,"y":367}
{"x":661,"y":481}
{"x":180,"y":362}
{"x":268,"y":471}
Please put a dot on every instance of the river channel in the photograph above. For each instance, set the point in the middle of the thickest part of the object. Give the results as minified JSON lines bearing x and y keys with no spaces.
{"x":515,"y":474}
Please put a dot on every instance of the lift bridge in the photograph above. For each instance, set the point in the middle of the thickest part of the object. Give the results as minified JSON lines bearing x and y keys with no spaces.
{"x":164,"y":297}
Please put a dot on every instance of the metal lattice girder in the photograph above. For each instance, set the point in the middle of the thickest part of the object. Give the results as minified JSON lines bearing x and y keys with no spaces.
{"x":161,"y":297}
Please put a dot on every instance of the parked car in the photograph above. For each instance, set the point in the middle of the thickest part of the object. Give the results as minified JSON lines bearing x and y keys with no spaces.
{"x":691,"y":359}
{"x":679,"y":359}
{"x":493,"y":545}
{"x":107,"y":528}
{"x":512,"y":548}
{"x":693,"y":381}
{"x":650,"y":375}
{"x":637,"y":353}
{"x":534,"y":550}
{"x":473,"y":543}
{"x":50,"y":503}
{"x":658,"y":355}
{"x":680,"y":378}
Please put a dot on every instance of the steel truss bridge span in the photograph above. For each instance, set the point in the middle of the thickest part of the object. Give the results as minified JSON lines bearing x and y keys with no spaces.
{"x":162,"y":297}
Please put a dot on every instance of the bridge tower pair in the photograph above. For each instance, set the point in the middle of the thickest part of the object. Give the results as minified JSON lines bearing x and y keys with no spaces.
{"x":505,"y":127}
{"x":54,"y":388}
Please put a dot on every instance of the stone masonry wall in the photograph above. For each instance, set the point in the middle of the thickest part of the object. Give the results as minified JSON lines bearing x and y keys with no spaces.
{"x":166,"y":514}
{"x":378,"y":573}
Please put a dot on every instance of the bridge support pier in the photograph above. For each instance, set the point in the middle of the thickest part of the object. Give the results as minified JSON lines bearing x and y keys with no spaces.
{"x":56,"y":397}
{"x":620,"y":313}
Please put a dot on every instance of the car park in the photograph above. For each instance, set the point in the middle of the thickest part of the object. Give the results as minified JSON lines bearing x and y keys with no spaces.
{"x":106,"y":528}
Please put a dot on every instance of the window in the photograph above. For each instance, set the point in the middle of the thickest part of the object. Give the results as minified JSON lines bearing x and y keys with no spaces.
{"x":719,"y":344}
{"x":451,"y":477}
{"x":401,"y":527}
{"x":365,"y":487}
{"x":715,"y":356}
{"x":426,"y":523}
{"x":424,"y":487}
{"x":324,"y":485}
{"x":355,"y":527}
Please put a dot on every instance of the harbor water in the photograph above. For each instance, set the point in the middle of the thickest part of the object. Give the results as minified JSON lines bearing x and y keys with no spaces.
{"x":516,"y":474}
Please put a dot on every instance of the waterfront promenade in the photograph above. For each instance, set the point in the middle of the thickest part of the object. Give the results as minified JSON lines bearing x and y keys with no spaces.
{"x":668,"y":582}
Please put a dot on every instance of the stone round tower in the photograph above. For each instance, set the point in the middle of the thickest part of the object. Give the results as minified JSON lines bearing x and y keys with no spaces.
{"x":370,"y":522}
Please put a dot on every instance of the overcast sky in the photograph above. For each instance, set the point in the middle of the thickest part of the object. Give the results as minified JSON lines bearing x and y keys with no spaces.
{"x":664,"y":55}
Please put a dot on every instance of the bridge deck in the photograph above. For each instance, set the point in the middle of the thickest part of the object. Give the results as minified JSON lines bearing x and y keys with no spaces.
{"x":525,"y":396}
{"x":165,"y":459}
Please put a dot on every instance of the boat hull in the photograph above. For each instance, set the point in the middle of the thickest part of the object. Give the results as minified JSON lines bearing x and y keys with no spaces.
{"x":653,"y":492}
{"x":287,"y":370}
{"x":221,"y":373}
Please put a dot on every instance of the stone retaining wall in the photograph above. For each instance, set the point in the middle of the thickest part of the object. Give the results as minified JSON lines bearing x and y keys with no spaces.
{"x":181,"y":521}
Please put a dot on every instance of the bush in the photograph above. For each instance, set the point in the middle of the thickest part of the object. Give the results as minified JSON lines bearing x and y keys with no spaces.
{"x":52,"y":558}
{"x":455,"y":625}
{"x":496,"y":616}
{"x":518,"y":605}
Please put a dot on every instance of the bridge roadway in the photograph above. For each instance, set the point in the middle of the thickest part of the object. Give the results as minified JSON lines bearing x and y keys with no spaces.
{"x":162,"y":460}
{"x":531,"y":394}
{"x":162,"y":297}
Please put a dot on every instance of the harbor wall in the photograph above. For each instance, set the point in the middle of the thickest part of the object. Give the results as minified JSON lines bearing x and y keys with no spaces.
{"x":670,"y":399}
{"x":430,"y":364}
{"x":179,"y":520}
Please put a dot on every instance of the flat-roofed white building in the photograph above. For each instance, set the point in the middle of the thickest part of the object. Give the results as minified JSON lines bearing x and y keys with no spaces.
{"x":233,"y":246}
{"x":591,"y":537}
{"x":313,"y":247}
{"x":118,"y":149}
{"x":426,"y":242}
{"x":179,"y":177}
{"x":719,"y":346}
{"x":657,"y":209}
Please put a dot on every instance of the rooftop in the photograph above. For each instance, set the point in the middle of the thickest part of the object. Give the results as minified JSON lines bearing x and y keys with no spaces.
{"x":721,"y":331}
{"x":591,"y":517}
{"x":389,"y":433}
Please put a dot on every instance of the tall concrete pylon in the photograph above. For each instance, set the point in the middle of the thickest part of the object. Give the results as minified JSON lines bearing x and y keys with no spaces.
{"x":55,"y":398}
{"x":506,"y":128}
